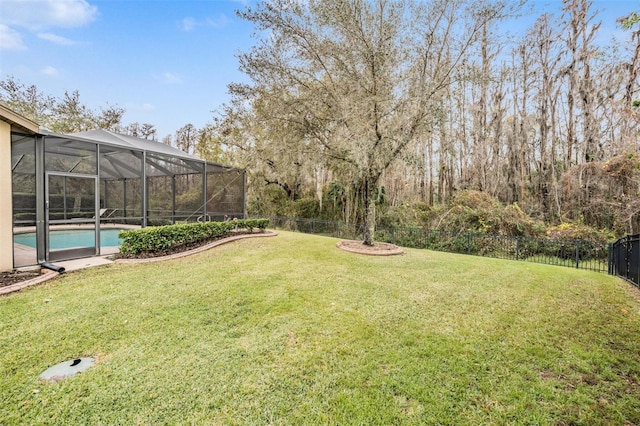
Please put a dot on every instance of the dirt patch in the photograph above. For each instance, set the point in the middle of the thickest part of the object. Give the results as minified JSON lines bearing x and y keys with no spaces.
{"x":377,"y":249}
{"x":9,"y":278}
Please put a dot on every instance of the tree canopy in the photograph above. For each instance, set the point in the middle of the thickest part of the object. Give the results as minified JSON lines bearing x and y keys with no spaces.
{"x":356,"y":81}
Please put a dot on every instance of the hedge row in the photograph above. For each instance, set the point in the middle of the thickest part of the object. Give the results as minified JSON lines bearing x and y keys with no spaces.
{"x":160,"y":239}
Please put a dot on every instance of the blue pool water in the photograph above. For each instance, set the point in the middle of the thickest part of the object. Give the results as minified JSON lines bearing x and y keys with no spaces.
{"x":72,"y":238}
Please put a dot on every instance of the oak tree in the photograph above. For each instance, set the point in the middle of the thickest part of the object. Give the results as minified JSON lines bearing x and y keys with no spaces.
{"x":361,"y":77}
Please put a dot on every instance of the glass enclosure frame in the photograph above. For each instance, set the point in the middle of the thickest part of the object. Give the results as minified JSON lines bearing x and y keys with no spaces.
{"x":138,"y":183}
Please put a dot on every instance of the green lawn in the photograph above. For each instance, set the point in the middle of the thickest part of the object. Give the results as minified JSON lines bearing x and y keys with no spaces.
{"x":292,"y":330}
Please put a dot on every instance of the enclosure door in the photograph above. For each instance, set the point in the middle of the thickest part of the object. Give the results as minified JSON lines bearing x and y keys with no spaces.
{"x":72,"y":216}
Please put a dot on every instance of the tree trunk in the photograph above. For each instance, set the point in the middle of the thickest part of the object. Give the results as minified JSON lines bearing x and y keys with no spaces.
{"x":370,"y":210}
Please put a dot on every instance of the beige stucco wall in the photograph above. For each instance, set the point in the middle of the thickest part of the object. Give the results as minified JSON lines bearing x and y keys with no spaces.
{"x":6,"y":222}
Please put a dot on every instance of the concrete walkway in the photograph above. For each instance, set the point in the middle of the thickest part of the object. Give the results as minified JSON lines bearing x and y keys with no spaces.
{"x":68,"y":265}
{"x":87,"y":262}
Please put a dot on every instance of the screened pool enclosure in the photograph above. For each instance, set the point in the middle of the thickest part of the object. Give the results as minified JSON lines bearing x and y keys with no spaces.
{"x":100,"y":180}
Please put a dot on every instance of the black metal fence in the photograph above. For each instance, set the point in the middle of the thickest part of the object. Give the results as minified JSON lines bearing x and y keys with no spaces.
{"x":579,"y":254}
{"x":624,"y":260}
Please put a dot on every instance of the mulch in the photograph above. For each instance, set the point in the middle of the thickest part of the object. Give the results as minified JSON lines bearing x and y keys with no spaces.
{"x":377,"y":249}
{"x":9,"y":278}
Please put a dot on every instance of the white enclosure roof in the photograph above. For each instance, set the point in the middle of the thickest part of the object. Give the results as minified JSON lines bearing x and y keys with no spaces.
{"x":120,"y":158}
{"x":131,"y":142}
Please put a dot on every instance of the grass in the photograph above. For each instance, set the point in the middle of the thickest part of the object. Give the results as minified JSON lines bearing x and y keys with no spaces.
{"x":292,"y":330}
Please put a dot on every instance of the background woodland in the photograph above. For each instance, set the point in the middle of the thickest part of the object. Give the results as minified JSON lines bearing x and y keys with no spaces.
{"x":528,"y":134}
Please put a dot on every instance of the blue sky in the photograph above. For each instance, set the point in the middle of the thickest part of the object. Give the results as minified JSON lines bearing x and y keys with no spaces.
{"x":166,"y":62}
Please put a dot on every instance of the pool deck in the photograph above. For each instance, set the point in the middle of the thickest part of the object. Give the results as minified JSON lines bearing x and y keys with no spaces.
{"x":87,"y":262}
{"x":25,"y":257}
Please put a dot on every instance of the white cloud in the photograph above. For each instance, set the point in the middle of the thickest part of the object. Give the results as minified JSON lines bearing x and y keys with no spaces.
{"x":56,"y":39}
{"x":219,"y":22}
{"x":169,"y":78}
{"x":147,"y":107}
{"x":40,"y":14}
{"x":10,"y":39}
{"x":72,"y":13}
{"x":190,"y":24}
{"x":50,"y":71}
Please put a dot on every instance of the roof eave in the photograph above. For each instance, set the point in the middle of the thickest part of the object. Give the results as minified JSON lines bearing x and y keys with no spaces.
{"x":18,"y":122}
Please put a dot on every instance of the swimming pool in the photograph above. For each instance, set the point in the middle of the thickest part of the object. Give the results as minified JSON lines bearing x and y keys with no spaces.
{"x":63,"y":239}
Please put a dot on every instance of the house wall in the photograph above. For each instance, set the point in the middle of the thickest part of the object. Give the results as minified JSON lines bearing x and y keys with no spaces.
{"x":6,"y":208}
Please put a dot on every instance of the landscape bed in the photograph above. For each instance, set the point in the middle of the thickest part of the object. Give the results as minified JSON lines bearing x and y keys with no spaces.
{"x":162,"y":240}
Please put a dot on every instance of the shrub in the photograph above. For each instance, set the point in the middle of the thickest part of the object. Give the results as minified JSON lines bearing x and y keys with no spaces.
{"x":159,"y":239}
{"x":307,"y":208}
{"x":405,"y":214}
{"x":474,"y":211}
{"x":578,"y":231}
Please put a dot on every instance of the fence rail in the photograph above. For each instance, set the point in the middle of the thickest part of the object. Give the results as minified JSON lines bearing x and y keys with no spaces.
{"x":624,"y":260}
{"x":579,"y":254}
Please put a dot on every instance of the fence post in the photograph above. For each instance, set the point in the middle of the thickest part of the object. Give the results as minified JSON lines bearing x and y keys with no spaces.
{"x":627,"y":266}
{"x":468,"y":242}
{"x":517,"y":248}
{"x":577,"y":254}
{"x":637,"y":277}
